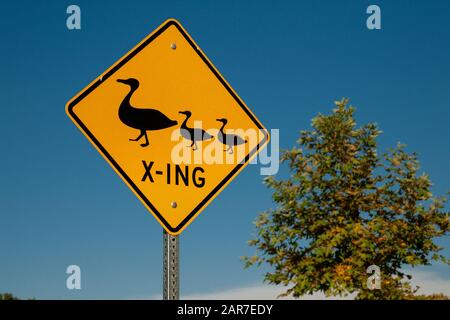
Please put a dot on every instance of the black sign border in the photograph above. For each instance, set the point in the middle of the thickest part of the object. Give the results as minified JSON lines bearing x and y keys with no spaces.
{"x":116,"y":67}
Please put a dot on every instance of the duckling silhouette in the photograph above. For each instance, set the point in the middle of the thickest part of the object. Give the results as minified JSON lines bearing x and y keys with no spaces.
{"x":141,"y":119}
{"x":193,"y":134}
{"x":229,"y":140}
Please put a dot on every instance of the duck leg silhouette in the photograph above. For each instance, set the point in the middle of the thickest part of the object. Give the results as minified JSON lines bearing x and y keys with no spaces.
{"x":193,"y":134}
{"x":141,"y":119}
{"x":143,"y":134}
{"x":230,"y":140}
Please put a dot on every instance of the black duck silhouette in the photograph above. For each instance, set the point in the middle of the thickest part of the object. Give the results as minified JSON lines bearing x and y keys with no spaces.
{"x":229,"y":140}
{"x":141,"y":119}
{"x":193,"y":134}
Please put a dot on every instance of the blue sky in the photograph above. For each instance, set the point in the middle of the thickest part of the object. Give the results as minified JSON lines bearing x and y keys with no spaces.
{"x":61,"y":203}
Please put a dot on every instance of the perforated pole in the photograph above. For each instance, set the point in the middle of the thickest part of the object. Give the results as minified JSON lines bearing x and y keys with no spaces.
{"x":171,"y":273}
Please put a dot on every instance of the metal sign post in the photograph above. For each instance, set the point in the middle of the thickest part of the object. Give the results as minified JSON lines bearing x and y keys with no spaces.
{"x":171,"y":264}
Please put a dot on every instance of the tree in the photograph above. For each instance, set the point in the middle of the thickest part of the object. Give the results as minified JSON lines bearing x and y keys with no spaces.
{"x":7,"y":296}
{"x":434,"y":296}
{"x":345,"y":208}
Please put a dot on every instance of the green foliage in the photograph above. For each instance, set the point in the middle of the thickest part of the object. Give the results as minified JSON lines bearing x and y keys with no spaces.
{"x":7,"y":296}
{"x":344,"y":208}
{"x":10,"y":296}
{"x":434,"y":296}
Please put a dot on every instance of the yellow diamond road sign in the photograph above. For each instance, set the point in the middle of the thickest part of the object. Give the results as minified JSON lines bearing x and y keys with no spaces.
{"x":169,"y":124}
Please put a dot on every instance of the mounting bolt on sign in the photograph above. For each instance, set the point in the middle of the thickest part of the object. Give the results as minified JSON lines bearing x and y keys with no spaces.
{"x":145,"y":109}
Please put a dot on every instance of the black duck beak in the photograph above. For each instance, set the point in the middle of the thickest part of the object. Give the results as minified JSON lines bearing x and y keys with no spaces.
{"x":121,"y":81}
